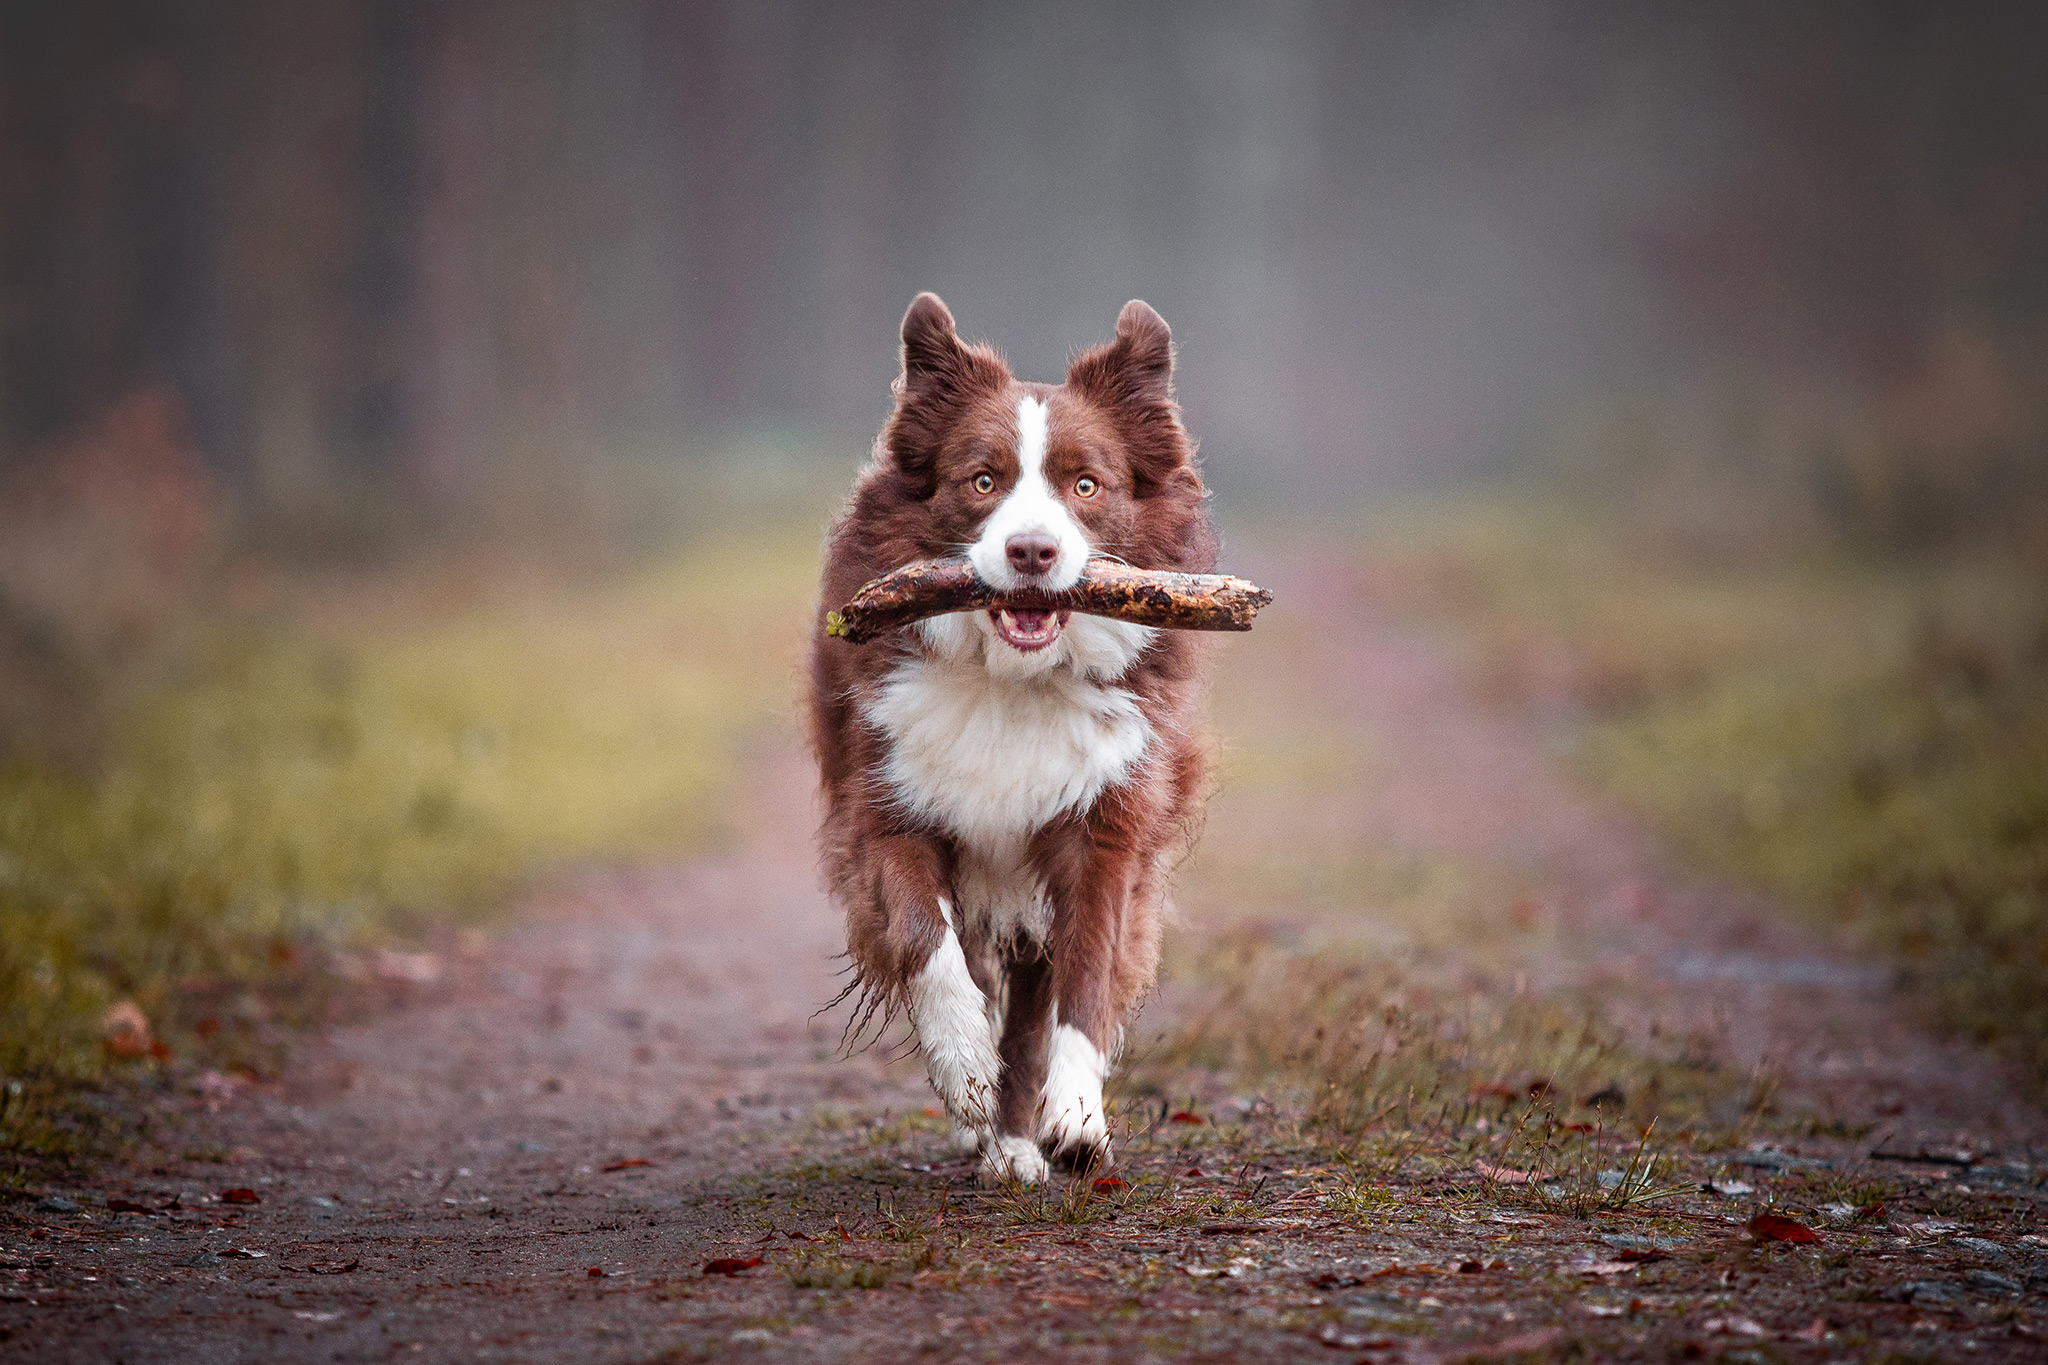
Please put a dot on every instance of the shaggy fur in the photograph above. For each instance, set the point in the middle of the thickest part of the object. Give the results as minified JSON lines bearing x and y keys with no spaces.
{"x":1001,"y":818}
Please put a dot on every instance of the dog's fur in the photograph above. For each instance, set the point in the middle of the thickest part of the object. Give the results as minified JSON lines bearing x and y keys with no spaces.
{"x":1000,"y":820}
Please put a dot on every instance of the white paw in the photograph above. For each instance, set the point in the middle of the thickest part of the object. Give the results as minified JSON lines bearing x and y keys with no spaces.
{"x":966,"y":1141}
{"x":950,"y":1015}
{"x":1070,"y":1112}
{"x":1013,"y":1158}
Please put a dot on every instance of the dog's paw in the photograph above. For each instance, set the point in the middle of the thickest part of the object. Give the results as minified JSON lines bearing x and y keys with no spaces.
{"x":1070,"y":1113}
{"x":1011,"y":1157}
{"x":1086,"y":1159}
{"x":966,"y":1141}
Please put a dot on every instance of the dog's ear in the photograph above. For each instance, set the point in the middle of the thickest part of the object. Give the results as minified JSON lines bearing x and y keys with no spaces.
{"x":940,"y":372}
{"x":932,"y":353}
{"x":1133,"y":377}
{"x":1134,"y":370}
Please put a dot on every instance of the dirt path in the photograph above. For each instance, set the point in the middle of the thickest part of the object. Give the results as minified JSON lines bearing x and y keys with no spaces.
{"x":537,"y":1157}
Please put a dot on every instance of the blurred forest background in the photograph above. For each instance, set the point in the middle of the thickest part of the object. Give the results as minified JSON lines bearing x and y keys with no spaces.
{"x":387,"y":387}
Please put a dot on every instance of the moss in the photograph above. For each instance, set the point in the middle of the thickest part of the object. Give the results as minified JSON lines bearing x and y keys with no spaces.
{"x":1866,"y":737}
{"x":360,"y":777}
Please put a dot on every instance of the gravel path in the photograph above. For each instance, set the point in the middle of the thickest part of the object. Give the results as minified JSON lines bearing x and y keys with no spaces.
{"x":535,"y":1157}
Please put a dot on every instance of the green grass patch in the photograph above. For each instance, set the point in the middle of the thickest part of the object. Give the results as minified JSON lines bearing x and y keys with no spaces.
{"x":1867,"y":738}
{"x":357,"y":777}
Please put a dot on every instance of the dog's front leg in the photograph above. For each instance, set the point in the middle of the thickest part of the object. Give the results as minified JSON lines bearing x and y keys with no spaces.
{"x":1103,"y":950}
{"x":913,"y":929}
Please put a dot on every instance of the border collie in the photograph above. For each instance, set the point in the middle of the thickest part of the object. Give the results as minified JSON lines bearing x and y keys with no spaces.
{"x":1006,"y":792}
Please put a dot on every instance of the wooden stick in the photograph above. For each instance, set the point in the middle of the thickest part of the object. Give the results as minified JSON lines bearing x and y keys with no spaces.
{"x":1150,"y":597}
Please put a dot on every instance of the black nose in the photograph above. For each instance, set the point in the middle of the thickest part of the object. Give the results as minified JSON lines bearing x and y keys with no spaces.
{"x":1032,"y":552}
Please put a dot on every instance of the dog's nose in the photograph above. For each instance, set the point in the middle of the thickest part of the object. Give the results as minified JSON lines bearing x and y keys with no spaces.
{"x":1031,"y":552}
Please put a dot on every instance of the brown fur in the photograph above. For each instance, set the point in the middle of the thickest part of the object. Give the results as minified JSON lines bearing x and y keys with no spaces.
{"x":1105,"y":869}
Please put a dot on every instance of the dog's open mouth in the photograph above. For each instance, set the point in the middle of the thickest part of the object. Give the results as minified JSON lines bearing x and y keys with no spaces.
{"x":1027,"y":630}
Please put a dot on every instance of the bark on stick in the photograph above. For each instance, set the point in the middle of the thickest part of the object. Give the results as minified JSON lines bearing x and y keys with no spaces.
{"x":1151,"y":597}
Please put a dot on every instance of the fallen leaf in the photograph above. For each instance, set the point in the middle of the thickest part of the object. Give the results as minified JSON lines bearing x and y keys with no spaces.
{"x":1108,"y":1183}
{"x":1183,"y":1116}
{"x":1642,"y":1255}
{"x":1772,"y":1227}
{"x":119,"y":1205}
{"x":595,"y":1272}
{"x":1876,"y":1210}
{"x":730,"y":1265}
{"x":627,"y":1163}
{"x":125,"y":1029}
{"x":1506,"y":1175}
{"x":1472,"y":1268}
{"x":240,"y":1196}
{"x":1352,"y":1341}
{"x":1734,"y":1327}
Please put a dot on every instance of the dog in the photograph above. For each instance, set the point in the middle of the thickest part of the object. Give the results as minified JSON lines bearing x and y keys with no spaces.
{"x":1006,"y":792}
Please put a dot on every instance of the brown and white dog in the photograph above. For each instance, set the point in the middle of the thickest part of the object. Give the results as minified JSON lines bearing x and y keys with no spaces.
{"x":1006,"y":792}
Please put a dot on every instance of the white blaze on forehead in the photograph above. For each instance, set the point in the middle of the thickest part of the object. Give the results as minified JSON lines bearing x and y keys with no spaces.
{"x":1028,"y":507}
{"x":1031,"y":426}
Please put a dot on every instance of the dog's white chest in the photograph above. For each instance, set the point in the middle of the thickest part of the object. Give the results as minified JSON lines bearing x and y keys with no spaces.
{"x":992,"y":759}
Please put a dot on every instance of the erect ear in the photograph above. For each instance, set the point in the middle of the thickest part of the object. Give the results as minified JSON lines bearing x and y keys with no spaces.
{"x":1135,"y":368}
{"x":931,"y":348}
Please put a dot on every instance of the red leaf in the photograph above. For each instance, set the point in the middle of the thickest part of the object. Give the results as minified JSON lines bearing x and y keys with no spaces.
{"x":1876,"y":1210}
{"x":240,"y":1196}
{"x":119,"y":1205}
{"x":730,"y":1265}
{"x":1109,"y":1183}
{"x":627,"y":1163}
{"x":1771,"y":1227}
{"x":1183,"y":1116}
{"x":1644,"y":1255}
{"x":1472,"y":1268}
{"x":595,"y":1272}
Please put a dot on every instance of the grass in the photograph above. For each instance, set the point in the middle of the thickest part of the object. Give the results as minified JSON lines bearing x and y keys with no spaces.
{"x":1867,"y":737}
{"x":352,"y":769}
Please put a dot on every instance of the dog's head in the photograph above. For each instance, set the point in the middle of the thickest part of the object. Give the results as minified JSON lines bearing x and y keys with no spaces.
{"x":1030,"y":480}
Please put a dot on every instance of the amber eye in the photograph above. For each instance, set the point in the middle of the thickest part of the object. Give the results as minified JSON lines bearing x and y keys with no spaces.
{"x":984,"y":483}
{"x":1086,"y":486}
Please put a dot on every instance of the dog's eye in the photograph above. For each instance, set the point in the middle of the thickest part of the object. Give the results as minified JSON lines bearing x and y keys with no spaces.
{"x":1086,"y":486}
{"x":984,"y":483}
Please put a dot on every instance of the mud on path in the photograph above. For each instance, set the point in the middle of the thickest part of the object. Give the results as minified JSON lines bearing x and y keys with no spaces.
{"x":537,"y":1156}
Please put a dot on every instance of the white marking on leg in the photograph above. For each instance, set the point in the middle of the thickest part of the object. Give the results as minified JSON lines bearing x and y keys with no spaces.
{"x":1070,"y":1112}
{"x":1030,"y":506}
{"x":950,"y":1015}
{"x":1011,"y":1157}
